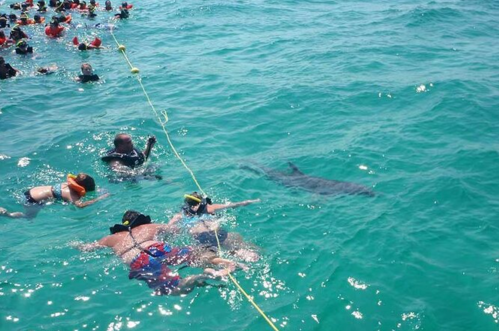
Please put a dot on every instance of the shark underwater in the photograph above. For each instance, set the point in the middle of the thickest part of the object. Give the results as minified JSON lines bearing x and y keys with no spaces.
{"x":298,"y":179}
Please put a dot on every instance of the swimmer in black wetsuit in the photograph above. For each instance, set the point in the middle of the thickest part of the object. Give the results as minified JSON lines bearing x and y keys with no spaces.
{"x":88,"y":74}
{"x":125,"y":154}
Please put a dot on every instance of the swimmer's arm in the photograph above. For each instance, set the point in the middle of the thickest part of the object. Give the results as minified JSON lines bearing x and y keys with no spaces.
{"x":164,"y":229}
{"x":150,"y":144}
{"x":81,"y":204}
{"x":175,"y":219}
{"x":213,"y":208}
{"x":90,"y":247}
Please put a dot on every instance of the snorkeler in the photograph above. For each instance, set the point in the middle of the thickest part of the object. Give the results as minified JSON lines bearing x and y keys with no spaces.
{"x":54,"y":30}
{"x":6,"y":70}
{"x":4,"y":21}
{"x":72,"y":191}
{"x":22,"y":48}
{"x":87,"y":74}
{"x":46,"y":70}
{"x":38,"y":19}
{"x":124,"y":154}
{"x":42,"y":8}
{"x":25,"y":20}
{"x":122,"y":14}
{"x":134,"y":241}
{"x":17,"y":34}
{"x":96,"y":43}
{"x":206,"y":230}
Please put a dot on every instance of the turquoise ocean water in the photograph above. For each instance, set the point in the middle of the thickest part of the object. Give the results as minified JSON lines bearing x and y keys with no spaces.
{"x":400,"y":96}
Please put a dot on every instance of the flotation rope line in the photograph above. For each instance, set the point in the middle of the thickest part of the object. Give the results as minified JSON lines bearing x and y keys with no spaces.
{"x":135,"y":71}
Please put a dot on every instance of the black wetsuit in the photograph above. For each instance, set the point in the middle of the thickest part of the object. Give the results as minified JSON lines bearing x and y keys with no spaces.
{"x":6,"y":71}
{"x":25,"y":51}
{"x":88,"y":78}
{"x":132,"y":159}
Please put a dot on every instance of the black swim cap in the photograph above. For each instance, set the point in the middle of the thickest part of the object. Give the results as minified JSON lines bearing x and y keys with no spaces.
{"x":82,"y":47}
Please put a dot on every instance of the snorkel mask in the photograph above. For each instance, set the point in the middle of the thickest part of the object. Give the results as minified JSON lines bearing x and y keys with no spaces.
{"x":131,"y":219}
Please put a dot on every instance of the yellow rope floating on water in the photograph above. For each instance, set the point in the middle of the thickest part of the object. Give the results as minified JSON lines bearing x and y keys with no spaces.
{"x":135,"y":70}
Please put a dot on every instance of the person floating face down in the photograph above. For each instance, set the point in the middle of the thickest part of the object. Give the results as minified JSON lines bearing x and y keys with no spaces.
{"x":87,"y":74}
{"x":96,"y":43}
{"x":124,"y":153}
{"x":72,"y":191}
{"x":6,"y":70}
{"x":207,"y":230}
{"x":151,"y":261}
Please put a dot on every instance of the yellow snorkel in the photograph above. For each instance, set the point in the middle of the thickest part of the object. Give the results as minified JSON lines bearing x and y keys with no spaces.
{"x":188,"y":196}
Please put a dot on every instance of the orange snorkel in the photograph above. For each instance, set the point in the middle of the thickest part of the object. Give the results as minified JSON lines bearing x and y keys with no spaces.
{"x":74,"y":186}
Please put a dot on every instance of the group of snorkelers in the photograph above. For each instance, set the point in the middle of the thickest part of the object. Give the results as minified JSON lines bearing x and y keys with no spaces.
{"x":135,"y":241}
{"x":56,"y":27}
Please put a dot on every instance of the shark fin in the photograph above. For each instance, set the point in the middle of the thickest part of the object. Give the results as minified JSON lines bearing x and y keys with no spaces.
{"x":295,"y":169}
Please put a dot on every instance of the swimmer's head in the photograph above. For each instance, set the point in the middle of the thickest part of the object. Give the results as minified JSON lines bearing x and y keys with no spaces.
{"x":124,"y":4}
{"x":132,"y":217}
{"x":2,"y":34}
{"x":86,"y":181}
{"x":22,"y":44}
{"x":86,"y":69}
{"x":43,"y":70}
{"x":82,"y":47}
{"x":12,"y":17}
{"x":123,"y":143}
{"x":193,"y":199}
{"x":2,"y":60}
{"x":37,"y":18}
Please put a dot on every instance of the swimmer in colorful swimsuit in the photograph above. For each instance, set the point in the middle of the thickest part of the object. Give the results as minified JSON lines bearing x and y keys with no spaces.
{"x":206,"y":229}
{"x":72,"y":191}
{"x":150,"y":260}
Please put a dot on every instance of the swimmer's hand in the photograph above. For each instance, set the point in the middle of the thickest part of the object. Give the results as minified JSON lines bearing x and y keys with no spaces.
{"x":219,"y":274}
{"x":105,"y":195}
{"x":247,"y":202}
{"x":151,"y":140}
{"x":86,"y":247}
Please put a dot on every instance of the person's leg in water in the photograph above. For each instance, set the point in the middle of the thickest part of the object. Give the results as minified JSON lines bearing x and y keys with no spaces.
{"x":203,"y":257}
{"x":29,"y":212}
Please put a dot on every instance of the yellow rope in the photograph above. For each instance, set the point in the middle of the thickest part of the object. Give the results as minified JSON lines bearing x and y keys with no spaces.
{"x":135,"y":70}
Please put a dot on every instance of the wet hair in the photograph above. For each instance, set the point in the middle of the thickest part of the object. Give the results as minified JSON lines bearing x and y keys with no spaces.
{"x":12,"y":17}
{"x":88,"y":183}
{"x":192,"y":202}
{"x":37,"y":17}
{"x":82,"y":47}
{"x":118,"y":139}
{"x":2,"y":60}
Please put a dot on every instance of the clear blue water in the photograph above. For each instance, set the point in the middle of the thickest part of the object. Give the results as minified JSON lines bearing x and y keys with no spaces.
{"x":399,"y":96}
